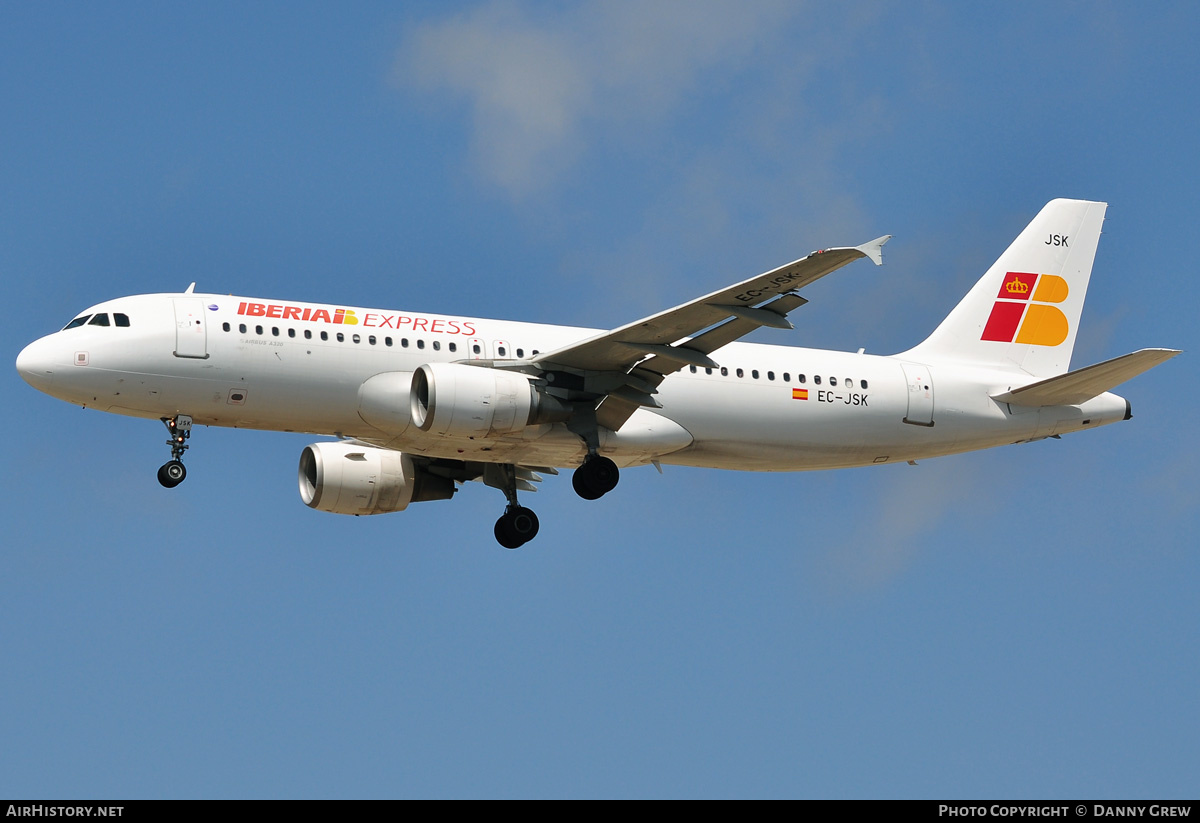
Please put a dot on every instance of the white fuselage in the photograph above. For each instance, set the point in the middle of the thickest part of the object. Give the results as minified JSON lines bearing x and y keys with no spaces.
{"x":259,"y":364}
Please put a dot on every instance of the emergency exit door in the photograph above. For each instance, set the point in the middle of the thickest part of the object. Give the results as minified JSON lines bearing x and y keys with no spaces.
{"x":920,"y":394}
{"x":191,"y":337}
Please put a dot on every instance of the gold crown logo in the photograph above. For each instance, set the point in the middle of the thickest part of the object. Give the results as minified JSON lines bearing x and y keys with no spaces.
{"x":1016,"y":287}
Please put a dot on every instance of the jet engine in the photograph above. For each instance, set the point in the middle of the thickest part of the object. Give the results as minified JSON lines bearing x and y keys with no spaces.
{"x":473,"y":401}
{"x":383,"y":401}
{"x":353,"y":478}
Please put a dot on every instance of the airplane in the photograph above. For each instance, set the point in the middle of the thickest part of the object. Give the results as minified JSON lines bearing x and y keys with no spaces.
{"x":422,"y":403}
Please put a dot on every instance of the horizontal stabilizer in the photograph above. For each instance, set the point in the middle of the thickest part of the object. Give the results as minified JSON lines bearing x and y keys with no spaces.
{"x":1081,"y":385}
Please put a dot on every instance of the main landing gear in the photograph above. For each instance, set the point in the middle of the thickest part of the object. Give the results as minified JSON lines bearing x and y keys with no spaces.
{"x":518,"y":525}
{"x":595,"y":477}
{"x":172,"y":473}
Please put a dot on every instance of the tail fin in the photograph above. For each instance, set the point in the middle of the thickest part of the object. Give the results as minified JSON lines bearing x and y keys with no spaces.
{"x":1024,"y":312}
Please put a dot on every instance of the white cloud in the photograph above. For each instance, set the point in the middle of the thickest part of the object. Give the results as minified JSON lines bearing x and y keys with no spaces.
{"x":912,"y":505}
{"x":544,"y":87}
{"x":737,"y":114}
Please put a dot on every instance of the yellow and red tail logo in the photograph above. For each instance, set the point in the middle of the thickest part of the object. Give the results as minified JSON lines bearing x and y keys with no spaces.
{"x":1021,"y":313}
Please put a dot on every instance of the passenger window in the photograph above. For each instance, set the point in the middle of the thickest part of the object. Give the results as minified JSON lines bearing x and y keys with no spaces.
{"x":274,"y":331}
{"x":500,"y":350}
{"x":99,"y":320}
{"x":800,"y":378}
{"x":770,"y":375}
{"x":692,"y":369}
{"x":308,"y":334}
{"x":122,"y":320}
{"x":863,"y":383}
{"x":833,"y":381}
{"x":437,"y":345}
{"x":242,"y":328}
{"x":404,"y":342}
{"x":324,"y":335}
{"x":475,"y":348}
{"x":520,"y":352}
{"x":724,"y":371}
{"x":754,"y":374}
{"x":816,"y":379}
{"x":371,"y":339}
{"x":291,"y":332}
{"x":787,"y":377}
{"x":356,"y":338}
{"x":225,"y":327}
{"x":341,"y":338}
{"x":420,"y":344}
{"x":258,"y":330}
{"x":740,"y":373}
{"x":453,"y":347}
{"x":387,"y":341}
{"x":707,"y":370}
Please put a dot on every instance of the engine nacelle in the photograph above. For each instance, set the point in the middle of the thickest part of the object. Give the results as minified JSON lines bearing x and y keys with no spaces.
{"x":474,"y":401}
{"x":353,"y":478}
{"x":383,"y":401}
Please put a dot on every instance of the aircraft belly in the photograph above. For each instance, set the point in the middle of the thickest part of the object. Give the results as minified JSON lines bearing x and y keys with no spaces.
{"x":769,"y":427}
{"x":644,"y":437}
{"x":235,"y":401}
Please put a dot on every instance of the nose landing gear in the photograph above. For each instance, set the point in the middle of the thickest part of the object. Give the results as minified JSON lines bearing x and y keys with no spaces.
{"x":172,"y":473}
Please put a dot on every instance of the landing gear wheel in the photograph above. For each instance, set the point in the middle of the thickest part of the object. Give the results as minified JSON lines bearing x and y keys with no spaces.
{"x":171,"y":474}
{"x":595,"y":478}
{"x":516,"y":527}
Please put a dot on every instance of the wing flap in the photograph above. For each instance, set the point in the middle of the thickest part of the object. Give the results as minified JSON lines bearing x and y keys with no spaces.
{"x":1081,"y":385}
{"x":623,"y":367}
{"x":622,"y":348}
{"x":719,"y":336}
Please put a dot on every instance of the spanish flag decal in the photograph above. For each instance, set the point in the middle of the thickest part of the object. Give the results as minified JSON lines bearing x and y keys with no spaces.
{"x":799,"y":394}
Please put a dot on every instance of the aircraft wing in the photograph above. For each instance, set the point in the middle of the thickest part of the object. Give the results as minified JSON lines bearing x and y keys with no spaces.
{"x":649,"y":349}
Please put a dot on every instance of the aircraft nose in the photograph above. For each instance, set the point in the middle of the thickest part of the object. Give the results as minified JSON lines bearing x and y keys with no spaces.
{"x":36,"y":365}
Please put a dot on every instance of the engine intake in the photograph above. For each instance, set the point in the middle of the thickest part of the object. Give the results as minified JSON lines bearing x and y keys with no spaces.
{"x":473,"y":401}
{"x":353,"y":478}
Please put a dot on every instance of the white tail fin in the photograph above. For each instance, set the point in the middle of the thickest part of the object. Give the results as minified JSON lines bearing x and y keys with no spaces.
{"x":1024,"y":312}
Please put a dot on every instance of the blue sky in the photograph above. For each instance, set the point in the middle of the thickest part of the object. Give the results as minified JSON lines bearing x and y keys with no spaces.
{"x":1014,"y":623}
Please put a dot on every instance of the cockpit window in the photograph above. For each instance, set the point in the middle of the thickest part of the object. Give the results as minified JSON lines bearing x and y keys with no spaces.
{"x":102,"y":319}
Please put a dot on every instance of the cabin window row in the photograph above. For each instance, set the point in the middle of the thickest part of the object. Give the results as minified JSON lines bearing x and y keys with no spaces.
{"x":786,"y":377}
{"x":436,"y":345}
{"x":340,"y":337}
